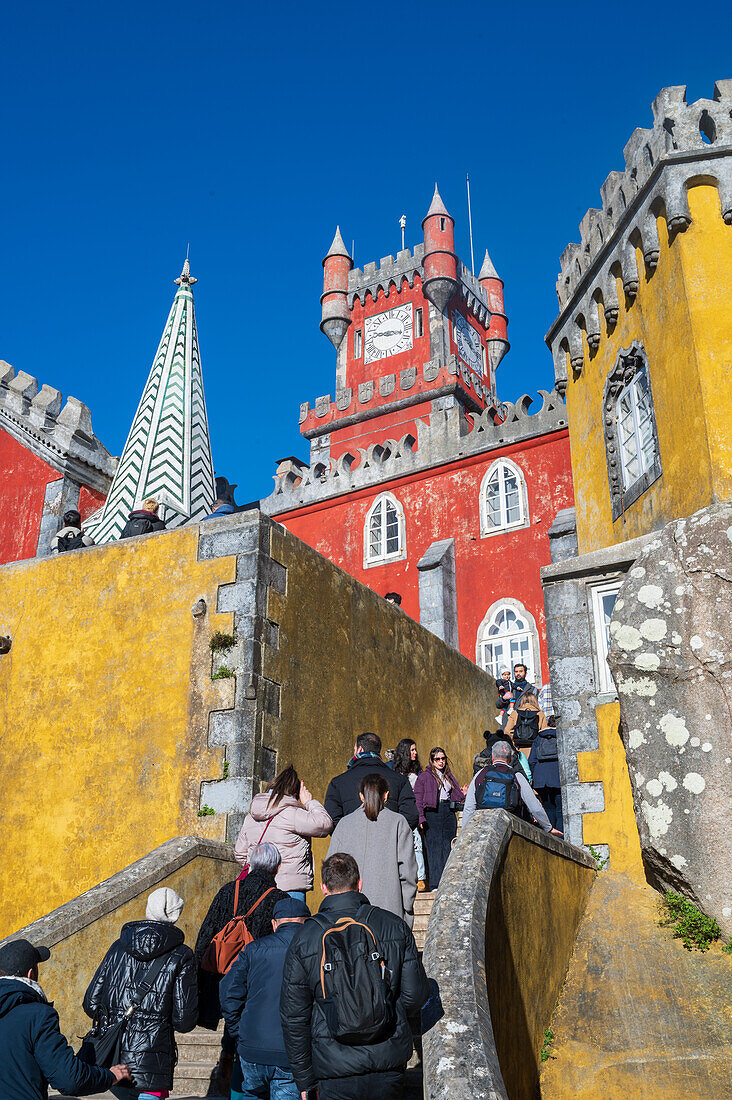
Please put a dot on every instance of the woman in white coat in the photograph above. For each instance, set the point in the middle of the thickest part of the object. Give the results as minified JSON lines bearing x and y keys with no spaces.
{"x":381,"y":842}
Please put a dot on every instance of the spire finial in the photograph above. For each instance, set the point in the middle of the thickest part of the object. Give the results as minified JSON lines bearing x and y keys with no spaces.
{"x":437,"y":206}
{"x":488,"y":271}
{"x":185,"y":278}
{"x":338,"y":247}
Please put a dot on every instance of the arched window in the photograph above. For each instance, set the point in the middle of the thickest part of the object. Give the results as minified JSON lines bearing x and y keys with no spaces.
{"x":384,"y":532}
{"x":508,"y":636}
{"x":503,"y":499}
{"x":631,"y":438}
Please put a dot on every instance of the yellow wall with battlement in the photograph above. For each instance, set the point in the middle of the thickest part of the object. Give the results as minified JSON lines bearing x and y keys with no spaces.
{"x":103,"y":709}
{"x":683,"y":319}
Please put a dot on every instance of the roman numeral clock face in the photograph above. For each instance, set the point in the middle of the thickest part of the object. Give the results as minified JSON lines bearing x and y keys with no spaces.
{"x":388,"y":333}
{"x":468,"y":342}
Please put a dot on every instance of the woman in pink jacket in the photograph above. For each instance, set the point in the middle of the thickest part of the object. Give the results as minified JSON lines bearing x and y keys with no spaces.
{"x":287,"y":816}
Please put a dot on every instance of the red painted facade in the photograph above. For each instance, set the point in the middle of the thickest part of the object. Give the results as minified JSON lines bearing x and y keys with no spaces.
{"x":442,"y":501}
{"x":25,"y":478}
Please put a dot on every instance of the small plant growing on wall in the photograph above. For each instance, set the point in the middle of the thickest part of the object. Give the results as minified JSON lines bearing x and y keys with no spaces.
{"x":691,"y":926}
{"x":206,"y":811}
{"x":599,"y":861}
{"x":220,"y":641}
{"x":222,"y":673}
{"x":225,"y":772}
{"x":547,"y":1047}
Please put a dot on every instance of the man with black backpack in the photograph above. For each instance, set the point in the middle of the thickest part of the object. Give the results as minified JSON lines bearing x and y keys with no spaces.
{"x":71,"y":536}
{"x":499,"y":787}
{"x":352,"y":975}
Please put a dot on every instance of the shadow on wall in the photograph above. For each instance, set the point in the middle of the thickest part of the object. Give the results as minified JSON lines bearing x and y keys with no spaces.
{"x":515,"y":896}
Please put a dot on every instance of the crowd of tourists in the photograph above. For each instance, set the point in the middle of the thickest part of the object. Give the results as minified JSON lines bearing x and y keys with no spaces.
{"x":319,"y":1003}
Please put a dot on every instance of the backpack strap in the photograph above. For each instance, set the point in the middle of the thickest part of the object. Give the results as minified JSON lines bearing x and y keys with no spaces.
{"x":260,"y":898}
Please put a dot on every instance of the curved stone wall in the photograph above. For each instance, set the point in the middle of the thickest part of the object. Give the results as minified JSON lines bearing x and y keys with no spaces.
{"x":498,"y":945}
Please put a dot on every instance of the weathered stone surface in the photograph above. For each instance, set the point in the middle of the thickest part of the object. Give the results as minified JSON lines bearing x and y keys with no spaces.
{"x":671,"y":657}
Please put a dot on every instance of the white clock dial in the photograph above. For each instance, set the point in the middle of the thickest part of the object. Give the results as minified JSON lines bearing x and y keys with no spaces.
{"x":468,"y":342}
{"x":388,"y":333}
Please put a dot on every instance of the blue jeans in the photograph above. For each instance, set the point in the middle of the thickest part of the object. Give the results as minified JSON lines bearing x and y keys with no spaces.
{"x":299,"y":895}
{"x":263,"y":1082}
{"x":421,"y":873}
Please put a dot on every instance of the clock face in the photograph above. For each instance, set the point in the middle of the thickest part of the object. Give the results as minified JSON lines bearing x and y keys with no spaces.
{"x":468,"y":342}
{"x":388,"y":333}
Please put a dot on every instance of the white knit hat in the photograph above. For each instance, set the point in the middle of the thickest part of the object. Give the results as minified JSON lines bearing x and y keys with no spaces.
{"x":164,"y":904}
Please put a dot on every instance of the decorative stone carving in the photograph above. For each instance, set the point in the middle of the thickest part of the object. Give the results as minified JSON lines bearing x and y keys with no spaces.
{"x":387,"y":385}
{"x":322,"y":405}
{"x":366,"y":392}
{"x":407,"y":378}
{"x":344,"y":398}
{"x":671,"y":658}
{"x":628,"y":364}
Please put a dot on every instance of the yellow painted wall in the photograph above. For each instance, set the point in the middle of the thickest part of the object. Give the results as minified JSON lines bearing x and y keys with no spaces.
{"x":616,"y":825}
{"x":74,"y":960}
{"x":682,"y":317}
{"x":104,"y":699}
{"x":348,"y":663}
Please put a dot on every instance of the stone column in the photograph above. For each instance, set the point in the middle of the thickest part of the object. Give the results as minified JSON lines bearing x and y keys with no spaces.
{"x":438,"y":591}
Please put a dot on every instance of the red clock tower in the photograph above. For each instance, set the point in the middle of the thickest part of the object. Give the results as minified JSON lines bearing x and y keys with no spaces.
{"x":420,"y":482}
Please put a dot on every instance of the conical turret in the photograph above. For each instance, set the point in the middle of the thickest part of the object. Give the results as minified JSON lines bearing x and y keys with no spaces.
{"x":440,"y":262}
{"x":497,"y":335}
{"x":168,"y":451}
{"x":336,"y":316}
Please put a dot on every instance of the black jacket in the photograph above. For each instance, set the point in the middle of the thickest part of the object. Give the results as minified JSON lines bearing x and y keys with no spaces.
{"x":341,"y":798}
{"x":544,"y":773}
{"x":219,"y":914}
{"x":522,"y":687}
{"x":250,"y":998}
{"x":141,"y":522}
{"x":484,"y":759}
{"x":172,"y":1004}
{"x":313,"y":1054}
{"x":34,"y":1053}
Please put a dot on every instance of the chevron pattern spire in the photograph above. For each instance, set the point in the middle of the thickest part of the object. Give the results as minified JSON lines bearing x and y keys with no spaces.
{"x":168,"y":451}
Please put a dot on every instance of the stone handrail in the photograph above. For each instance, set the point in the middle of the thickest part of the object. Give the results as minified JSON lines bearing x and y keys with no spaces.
{"x":498,"y":944}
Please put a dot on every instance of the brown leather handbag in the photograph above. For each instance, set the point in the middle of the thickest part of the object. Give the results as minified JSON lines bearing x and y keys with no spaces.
{"x":233,"y":938}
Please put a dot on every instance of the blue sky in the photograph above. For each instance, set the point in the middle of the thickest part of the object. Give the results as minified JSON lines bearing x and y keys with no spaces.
{"x":251,"y":130}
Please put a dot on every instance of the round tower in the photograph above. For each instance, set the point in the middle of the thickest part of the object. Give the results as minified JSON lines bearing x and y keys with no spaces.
{"x":497,"y":335}
{"x":336,"y":316}
{"x":440,"y":262}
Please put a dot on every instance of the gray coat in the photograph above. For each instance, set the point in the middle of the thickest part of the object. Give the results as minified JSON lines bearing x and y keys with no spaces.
{"x":384,"y":852}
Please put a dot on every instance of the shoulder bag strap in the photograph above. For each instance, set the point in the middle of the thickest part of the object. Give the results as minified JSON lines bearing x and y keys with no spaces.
{"x":147,"y":981}
{"x":236,"y":895}
{"x":264,"y":830}
{"x":260,"y":898}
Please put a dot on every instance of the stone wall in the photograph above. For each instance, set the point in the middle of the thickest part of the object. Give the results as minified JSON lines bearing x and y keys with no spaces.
{"x":80,"y":932}
{"x":116,"y":734}
{"x":498,"y":944}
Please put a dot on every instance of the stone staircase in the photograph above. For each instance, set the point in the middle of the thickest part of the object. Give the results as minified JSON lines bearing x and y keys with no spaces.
{"x":422,"y":909}
{"x":198,"y":1053}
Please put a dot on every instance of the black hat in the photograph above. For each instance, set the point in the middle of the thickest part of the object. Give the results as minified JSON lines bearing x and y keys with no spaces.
{"x":289,"y":909}
{"x":20,"y":956}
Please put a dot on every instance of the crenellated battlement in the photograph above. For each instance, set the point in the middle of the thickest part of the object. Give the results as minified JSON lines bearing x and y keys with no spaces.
{"x":688,"y":141}
{"x":379,"y":393}
{"x":449,"y":436}
{"x":59,"y":432}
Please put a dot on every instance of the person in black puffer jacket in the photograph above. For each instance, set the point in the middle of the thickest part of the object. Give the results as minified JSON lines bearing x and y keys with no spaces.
{"x":264,"y":859}
{"x":171,"y":1005}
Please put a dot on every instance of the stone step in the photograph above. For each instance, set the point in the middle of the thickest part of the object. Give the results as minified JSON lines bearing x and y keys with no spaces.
{"x":199,"y":1045}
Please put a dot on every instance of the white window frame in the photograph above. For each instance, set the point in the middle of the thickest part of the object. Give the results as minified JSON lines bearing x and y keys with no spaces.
{"x":605,"y":682}
{"x":370,"y":559}
{"x":533,"y":673}
{"x":357,"y":343}
{"x":644,"y":464}
{"x":487,"y":530}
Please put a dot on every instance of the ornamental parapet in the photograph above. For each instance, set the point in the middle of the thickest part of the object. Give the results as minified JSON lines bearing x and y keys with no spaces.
{"x":451,"y":435}
{"x":688,"y":143}
{"x":58,"y":432}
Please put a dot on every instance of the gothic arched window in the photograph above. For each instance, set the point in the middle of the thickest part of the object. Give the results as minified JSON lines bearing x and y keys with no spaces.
{"x":503,"y":499}
{"x":508,"y":636}
{"x":384,"y":532}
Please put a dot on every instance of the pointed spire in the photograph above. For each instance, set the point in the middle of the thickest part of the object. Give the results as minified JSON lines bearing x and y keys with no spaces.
{"x":488,"y":271}
{"x":338,"y":248}
{"x":437,"y":206}
{"x":168,"y":451}
{"x":185,"y":278}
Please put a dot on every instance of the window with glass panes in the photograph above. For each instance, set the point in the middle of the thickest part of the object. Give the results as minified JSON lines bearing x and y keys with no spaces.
{"x":635,"y":428}
{"x":507,"y":641}
{"x":383,"y":534}
{"x":503,"y":500}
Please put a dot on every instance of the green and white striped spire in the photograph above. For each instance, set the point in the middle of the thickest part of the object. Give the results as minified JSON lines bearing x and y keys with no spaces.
{"x":168,"y":451}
